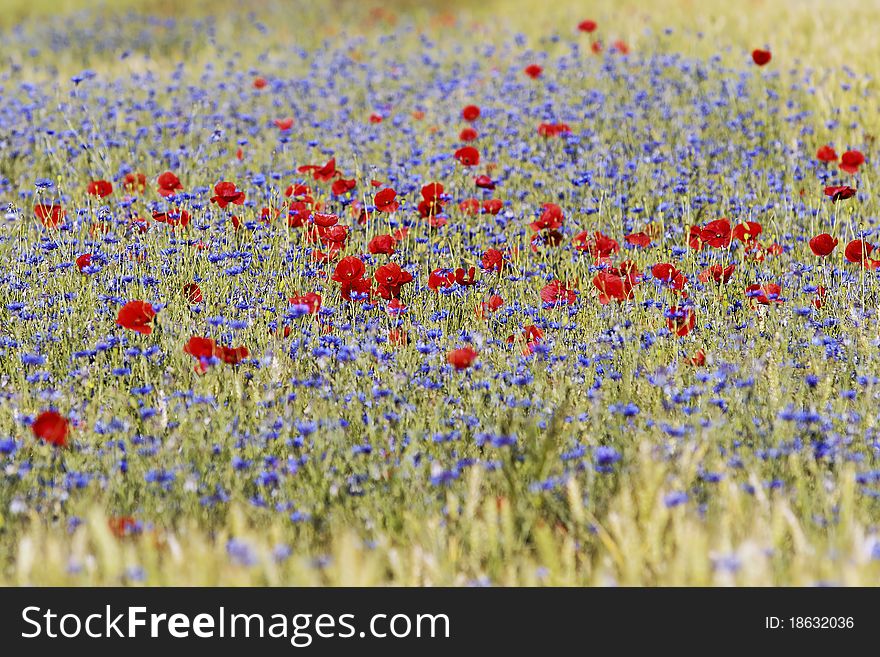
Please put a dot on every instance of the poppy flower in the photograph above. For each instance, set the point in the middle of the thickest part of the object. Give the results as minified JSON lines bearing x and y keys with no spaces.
{"x":226,"y":193}
{"x":621,"y":47}
{"x":169,"y":184}
{"x":343,"y":186}
{"x":611,"y":286}
{"x":284,"y":124}
{"x":599,"y":245}
{"x":83,"y":261}
{"x":716,"y":234}
{"x":826,"y":154}
{"x":461,"y":359}
{"x":551,"y":218}
{"x":175,"y":217}
{"x":671,"y":277}
{"x":136,"y":316}
{"x":556,"y":293}
{"x":761,"y":57}
{"x":323,"y":173}
{"x":202,"y":349}
{"x":385,"y":200}
{"x":470,"y":206}
{"x":383,"y":244}
{"x":49,"y":215}
{"x":484,"y":182}
{"x":391,"y":278}
{"x":468,"y":156}
{"x":397,"y":337}
{"x":533,"y":71}
{"x":553,"y":129}
{"x":596,"y":47}
{"x":312,"y":300}
{"x":51,"y":427}
{"x":638,"y":239}
{"x":470,"y":113}
{"x":192,"y":292}
{"x":348,"y":270}
{"x":466,"y":278}
{"x":122,"y":526}
{"x":819,"y":300}
{"x":492,"y":305}
{"x":822,"y":245}
{"x":680,"y":321}
{"x":493,"y":260}
{"x":747,"y":231}
{"x":260,"y":83}
{"x":858,"y":251}
{"x":587,"y":26}
{"x":764,"y":294}
{"x":851,"y":161}
{"x":441,"y":278}
{"x":717,"y":273}
{"x":531,"y":336}
{"x":699,"y":358}
{"x":467,"y":134}
{"x":839,"y":193}
{"x":134,"y":182}
{"x":100,"y":188}
{"x":492,"y":206}
{"x":230,"y":355}
{"x":375,"y":118}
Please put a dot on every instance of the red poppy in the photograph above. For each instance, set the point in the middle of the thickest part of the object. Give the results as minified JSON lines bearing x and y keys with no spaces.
{"x":764,"y":294}
{"x":587,"y":26}
{"x":493,"y":260}
{"x":599,"y":245}
{"x":484,"y":182}
{"x":839,"y":193}
{"x":851,"y":161}
{"x":621,"y":47}
{"x":343,"y":186}
{"x":312,"y":300}
{"x":760,"y":57}
{"x":858,"y":251}
{"x":348,"y":271}
{"x":747,"y":231}
{"x":717,"y":273}
{"x":533,"y":71}
{"x":699,"y":358}
{"x":467,"y":134}
{"x":201,"y":349}
{"x":284,"y":124}
{"x":466,"y":278}
{"x":175,"y":217}
{"x":383,"y":244}
{"x":671,"y":277}
{"x":83,"y":261}
{"x":461,"y":359}
{"x":397,"y":337}
{"x":49,"y":215}
{"x":322,"y":173}
{"x":192,"y":292}
{"x":391,"y":278}
{"x":441,"y":279}
{"x":470,"y":206}
{"x":826,"y":154}
{"x":468,"y":156}
{"x":385,"y":200}
{"x":596,"y":47}
{"x":260,"y":83}
{"x":375,"y":118}
{"x":492,"y":305}
{"x":100,"y":188}
{"x":51,"y":427}
{"x":822,"y":245}
{"x":136,"y":316}
{"x":231,"y":356}
{"x":470,"y":113}
{"x":819,"y":301}
{"x":551,"y":218}
{"x":553,"y":129}
{"x":716,"y":234}
{"x":122,"y":526}
{"x":134,"y":182}
{"x":556,"y":293}
{"x":612,"y":285}
{"x":226,"y":193}
{"x":492,"y":206}
{"x":681,"y":321}
{"x":638,"y":239}
{"x":169,"y":184}
{"x":531,"y":336}
{"x":300,"y":193}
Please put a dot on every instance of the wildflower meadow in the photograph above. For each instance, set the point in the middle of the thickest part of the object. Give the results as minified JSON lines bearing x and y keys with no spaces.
{"x":441,"y":293}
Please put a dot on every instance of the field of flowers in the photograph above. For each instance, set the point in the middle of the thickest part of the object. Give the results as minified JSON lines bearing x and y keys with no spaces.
{"x":438,"y":294}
